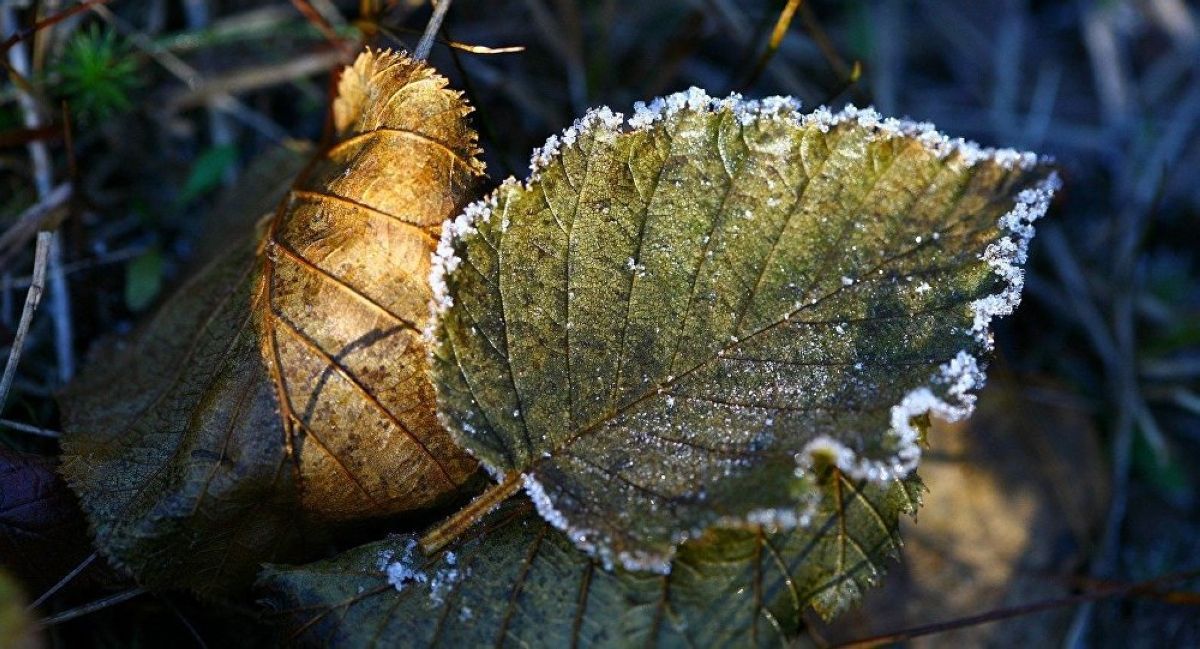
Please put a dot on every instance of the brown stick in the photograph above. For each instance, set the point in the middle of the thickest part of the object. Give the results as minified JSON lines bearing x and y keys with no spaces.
{"x":32,"y":298}
{"x":453,"y":527}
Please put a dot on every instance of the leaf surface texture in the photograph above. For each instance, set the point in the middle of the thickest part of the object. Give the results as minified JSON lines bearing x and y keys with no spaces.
{"x":518,"y":582}
{"x":677,"y":315}
{"x":285,"y":385}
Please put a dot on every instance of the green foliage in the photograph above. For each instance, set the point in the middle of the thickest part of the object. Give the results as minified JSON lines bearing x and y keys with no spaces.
{"x":97,"y":72}
{"x":519,"y":582}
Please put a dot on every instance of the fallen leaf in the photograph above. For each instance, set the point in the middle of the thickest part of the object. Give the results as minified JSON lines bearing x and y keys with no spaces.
{"x":520,"y":582}
{"x":285,"y":385}
{"x":677,"y":313}
{"x":43,"y":534}
{"x":1017,"y":496}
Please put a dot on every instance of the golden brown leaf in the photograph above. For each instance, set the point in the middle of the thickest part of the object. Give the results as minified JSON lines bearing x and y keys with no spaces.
{"x":286,"y":383}
{"x":346,"y":269}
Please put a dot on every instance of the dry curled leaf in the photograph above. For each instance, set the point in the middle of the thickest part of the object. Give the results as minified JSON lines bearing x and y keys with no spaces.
{"x":286,"y":383}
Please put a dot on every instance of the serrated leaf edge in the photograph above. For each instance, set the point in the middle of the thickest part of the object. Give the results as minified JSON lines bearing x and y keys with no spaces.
{"x":958,"y":379}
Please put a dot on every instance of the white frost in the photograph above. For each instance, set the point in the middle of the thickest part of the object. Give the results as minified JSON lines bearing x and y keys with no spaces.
{"x":956,"y":379}
{"x":949,"y":392}
{"x":1007,"y":255}
{"x":404,"y":571}
{"x":401,"y":571}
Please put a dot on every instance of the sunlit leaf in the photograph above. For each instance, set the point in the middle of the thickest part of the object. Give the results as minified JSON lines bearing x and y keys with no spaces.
{"x":519,"y":582}
{"x":285,"y":385}
{"x":676,"y":314}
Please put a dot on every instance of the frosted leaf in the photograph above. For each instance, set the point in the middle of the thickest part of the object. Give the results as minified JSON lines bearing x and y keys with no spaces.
{"x":854,"y":303}
{"x":520,"y":582}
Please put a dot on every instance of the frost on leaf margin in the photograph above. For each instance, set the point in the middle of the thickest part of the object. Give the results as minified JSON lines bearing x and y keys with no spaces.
{"x":676,"y":313}
{"x":517,"y":581}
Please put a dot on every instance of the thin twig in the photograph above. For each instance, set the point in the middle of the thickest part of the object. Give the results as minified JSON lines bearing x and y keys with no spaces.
{"x":192,"y":77}
{"x":114,"y":257}
{"x":17,"y":37}
{"x":92,"y":607}
{"x":27,"y":428}
{"x":43,"y":173}
{"x":38,"y":216}
{"x":777,"y":34}
{"x":319,"y":21}
{"x":32,"y":298}
{"x":431,"y":30}
{"x":75,"y":572}
{"x":1149,"y":587}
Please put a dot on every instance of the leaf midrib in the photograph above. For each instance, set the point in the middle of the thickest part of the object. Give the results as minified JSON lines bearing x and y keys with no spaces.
{"x":869,"y":276}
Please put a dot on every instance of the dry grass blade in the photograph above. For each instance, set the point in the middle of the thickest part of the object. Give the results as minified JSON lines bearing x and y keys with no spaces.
{"x":91,"y":607}
{"x":255,"y":78}
{"x":780,"y":30}
{"x":75,"y":572}
{"x":1149,"y":588}
{"x":32,"y":430}
{"x":32,"y":298}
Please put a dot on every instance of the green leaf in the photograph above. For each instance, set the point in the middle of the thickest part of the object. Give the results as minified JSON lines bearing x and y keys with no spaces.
{"x":520,"y":582}
{"x":208,"y":171}
{"x":677,"y":315}
{"x":143,"y":279}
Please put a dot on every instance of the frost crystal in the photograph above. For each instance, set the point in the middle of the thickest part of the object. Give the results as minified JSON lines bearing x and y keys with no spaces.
{"x":1006,"y":255}
{"x":403,"y":571}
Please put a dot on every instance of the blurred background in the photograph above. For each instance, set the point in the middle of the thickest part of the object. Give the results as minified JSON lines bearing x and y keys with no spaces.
{"x":136,"y":135}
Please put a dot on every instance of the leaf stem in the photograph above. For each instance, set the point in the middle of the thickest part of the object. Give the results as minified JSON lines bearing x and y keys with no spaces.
{"x":451,"y":528}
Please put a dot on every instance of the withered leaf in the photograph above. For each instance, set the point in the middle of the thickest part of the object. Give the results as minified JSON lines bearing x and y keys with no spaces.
{"x":515,"y":581}
{"x":678,"y":314}
{"x":285,"y":385}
